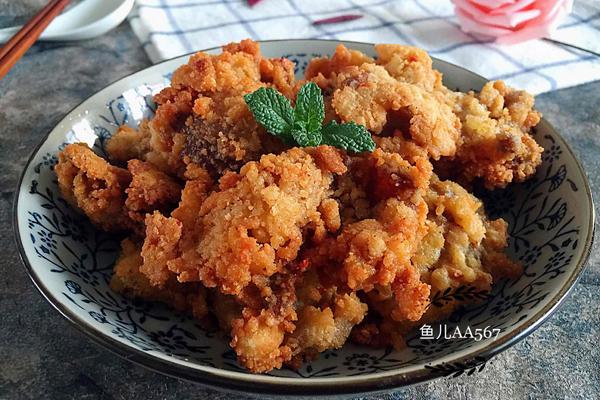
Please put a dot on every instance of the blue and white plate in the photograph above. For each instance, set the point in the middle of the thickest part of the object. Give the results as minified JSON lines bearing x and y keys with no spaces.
{"x":551,"y":219}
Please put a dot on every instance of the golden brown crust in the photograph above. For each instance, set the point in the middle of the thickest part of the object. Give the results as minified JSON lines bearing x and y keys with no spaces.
{"x":256,"y":222}
{"x":295,"y":251}
{"x":128,"y":143}
{"x":131,"y":282}
{"x":160,"y":246}
{"x":497,"y":147}
{"x":91,"y":184}
{"x":409,"y":64}
{"x":366,"y":95}
{"x":150,"y":189}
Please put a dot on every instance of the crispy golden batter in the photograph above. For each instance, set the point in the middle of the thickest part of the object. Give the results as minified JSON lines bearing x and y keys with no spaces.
{"x":369,"y":96}
{"x":376,"y":252}
{"x":128,"y":143}
{"x":463,"y":247}
{"x":497,"y":147}
{"x":257,"y":340}
{"x":325,"y":327}
{"x":221,"y":133}
{"x":295,"y":251}
{"x":255,"y":224}
{"x":149,"y":190}
{"x":91,"y":184}
{"x":128,"y":279}
{"x":321,"y":69}
{"x":258,"y":333}
{"x":409,"y":64}
{"x":160,"y":246}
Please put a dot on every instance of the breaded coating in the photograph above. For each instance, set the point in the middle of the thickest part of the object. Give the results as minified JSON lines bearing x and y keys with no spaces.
{"x":94,"y":186}
{"x":368,"y":95}
{"x":377,"y":252}
{"x":320,"y":69}
{"x":149,"y":190}
{"x":197,"y":186}
{"x":255,"y":224}
{"x":257,"y":341}
{"x":222,"y":134}
{"x":494,"y":259}
{"x":449,"y":255}
{"x":128,"y":143}
{"x":497,"y":147}
{"x":160,"y":246}
{"x":463,"y":247}
{"x":327,"y":327}
{"x":397,"y":143}
{"x":196,"y":190}
{"x":388,"y":175}
{"x":166,"y":142}
{"x":128,"y":280}
{"x":409,"y":64}
{"x":258,"y":333}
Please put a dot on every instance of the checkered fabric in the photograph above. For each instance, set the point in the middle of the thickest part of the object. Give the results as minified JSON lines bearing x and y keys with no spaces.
{"x":169,"y":28}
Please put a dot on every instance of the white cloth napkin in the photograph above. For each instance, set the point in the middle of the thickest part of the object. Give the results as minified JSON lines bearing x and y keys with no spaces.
{"x":169,"y":28}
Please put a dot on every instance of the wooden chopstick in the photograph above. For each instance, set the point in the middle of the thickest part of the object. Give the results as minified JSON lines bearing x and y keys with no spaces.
{"x":14,"y":49}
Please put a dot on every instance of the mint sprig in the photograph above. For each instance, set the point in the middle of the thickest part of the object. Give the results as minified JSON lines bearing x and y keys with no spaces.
{"x":348,"y":136}
{"x":303,"y":125}
{"x":273,"y":111}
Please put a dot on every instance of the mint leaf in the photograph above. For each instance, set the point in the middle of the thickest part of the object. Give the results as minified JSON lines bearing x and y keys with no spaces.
{"x":348,"y":136}
{"x":310,"y":108}
{"x":272,"y":110}
{"x":304,"y":137}
{"x":302,"y":126}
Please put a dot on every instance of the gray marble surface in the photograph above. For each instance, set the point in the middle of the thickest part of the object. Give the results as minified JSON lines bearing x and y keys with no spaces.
{"x":43,"y":356}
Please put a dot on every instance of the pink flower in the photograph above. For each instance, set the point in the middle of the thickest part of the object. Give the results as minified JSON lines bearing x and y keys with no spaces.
{"x":511,"y":21}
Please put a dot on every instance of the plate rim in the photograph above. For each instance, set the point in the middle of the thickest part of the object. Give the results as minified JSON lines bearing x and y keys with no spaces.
{"x":242,"y":382}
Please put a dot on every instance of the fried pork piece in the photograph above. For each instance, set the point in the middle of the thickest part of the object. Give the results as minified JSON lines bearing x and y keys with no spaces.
{"x":255,"y":223}
{"x":128,"y":143}
{"x":321,"y":69}
{"x":196,"y":190}
{"x":324,"y":314}
{"x":268,"y":314}
{"x":197,"y":185}
{"x":368,"y":95}
{"x":461,"y":248}
{"x":324,"y":327}
{"x":129,"y":281}
{"x":160,"y":246}
{"x":409,"y":64}
{"x":170,"y":242}
{"x":203,"y":114}
{"x":166,"y":142}
{"x":222,"y":134}
{"x":497,"y":147}
{"x":91,"y":184}
{"x":257,"y":341}
{"x":158,"y":141}
{"x":377,"y":251}
{"x":149,"y":190}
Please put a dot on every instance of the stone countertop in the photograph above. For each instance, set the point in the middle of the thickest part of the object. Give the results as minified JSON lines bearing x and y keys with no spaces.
{"x":43,"y":356}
